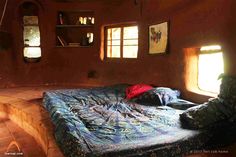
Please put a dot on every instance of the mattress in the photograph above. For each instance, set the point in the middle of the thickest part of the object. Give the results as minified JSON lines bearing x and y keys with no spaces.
{"x":100,"y":122}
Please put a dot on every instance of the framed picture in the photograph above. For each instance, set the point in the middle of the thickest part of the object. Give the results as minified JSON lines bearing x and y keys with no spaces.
{"x":158,"y":38}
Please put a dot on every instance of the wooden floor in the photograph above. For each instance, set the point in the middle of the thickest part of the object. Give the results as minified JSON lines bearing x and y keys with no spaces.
{"x":11,"y":133}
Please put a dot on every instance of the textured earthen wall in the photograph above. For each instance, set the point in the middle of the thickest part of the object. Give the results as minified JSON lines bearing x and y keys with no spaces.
{"x":192,"y":24}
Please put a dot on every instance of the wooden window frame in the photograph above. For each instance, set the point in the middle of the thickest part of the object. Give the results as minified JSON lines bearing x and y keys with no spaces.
{"x":121,"y":39}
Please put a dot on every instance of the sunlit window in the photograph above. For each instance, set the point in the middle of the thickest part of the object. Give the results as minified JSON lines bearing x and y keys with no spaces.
{"x":210,"y":66}
{"x":31,"y":37}
{"x":29,"y":12}
{"x":122,"y":42}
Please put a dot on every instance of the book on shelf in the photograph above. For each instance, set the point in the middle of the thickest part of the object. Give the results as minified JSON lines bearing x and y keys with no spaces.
{"x":73,"y":44}
{"x":62,"y":41}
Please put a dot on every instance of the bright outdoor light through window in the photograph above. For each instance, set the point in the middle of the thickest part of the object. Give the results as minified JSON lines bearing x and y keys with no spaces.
{"x":31,"y":37}
{"x":210,"y":66}
{"x":122,"y":42}
{"x":113,"y":42}
{"x":130,"y":42}
{"x":32,"y":52}
{"x":210,"y":48}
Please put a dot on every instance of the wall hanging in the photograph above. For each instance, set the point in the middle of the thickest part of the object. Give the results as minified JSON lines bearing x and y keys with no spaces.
{"x":158,"y":38}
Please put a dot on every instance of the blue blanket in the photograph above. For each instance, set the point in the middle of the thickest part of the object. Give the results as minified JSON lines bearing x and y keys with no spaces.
{"x":100,"y":122}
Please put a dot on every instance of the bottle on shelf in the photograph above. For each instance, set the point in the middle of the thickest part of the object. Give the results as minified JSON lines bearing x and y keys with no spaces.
{"x":85,"y":21}
{"x":61,"y":20}
{"x":92,"y":20}
{"x":90,"y":38}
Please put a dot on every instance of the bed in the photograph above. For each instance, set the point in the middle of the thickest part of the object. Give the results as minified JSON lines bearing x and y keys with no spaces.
{"x":101,"y":122}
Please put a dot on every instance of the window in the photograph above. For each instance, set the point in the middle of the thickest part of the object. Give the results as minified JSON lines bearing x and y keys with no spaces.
{"x":31,"y":37}
{"x":31,"y":32}
{"x":210,"y":66}
{"x":121,"y":41}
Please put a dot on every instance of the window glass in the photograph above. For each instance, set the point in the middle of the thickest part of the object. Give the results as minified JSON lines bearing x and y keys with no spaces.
{"x":32,"y":52}
{"x":115,"y":33}
{"x":31,"y":37}
{"x":128,"y":48}
{"x":113,"y":42}
{"x":30,"y":20}
{"x":131,"y":42}
{"x":130,"y":51}
{"x":210,"y":66}
{"x":113,"y":51}
{"x":131,"y":32}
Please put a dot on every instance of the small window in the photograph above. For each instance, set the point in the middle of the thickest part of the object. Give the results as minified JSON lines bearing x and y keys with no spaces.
{"x":31,"y":32}
{"x":210,"y":66}
{"x":31,"y":37}
{"x":121,"y":42}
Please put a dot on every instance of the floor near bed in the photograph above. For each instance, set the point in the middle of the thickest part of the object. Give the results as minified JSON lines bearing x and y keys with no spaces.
{"x":11,"y":133}
{"x":23,"y":107}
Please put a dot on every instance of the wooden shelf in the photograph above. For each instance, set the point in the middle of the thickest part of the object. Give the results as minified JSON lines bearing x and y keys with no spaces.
{"x":74,"y":46}
{"x":69,"y":26}
{"x":69,"y":29}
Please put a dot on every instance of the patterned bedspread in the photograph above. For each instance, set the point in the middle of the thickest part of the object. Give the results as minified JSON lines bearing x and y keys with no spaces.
{"x":100,"y":122}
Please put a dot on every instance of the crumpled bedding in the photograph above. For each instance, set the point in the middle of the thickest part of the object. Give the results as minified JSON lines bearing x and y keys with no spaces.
{"x":100,"y":122}
{"x":216,"y":112}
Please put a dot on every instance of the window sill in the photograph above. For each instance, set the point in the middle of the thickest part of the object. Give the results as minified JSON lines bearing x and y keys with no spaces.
{"x":120,"y":60}
{"x":205,"y":93}
{"x":32,"y":60}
